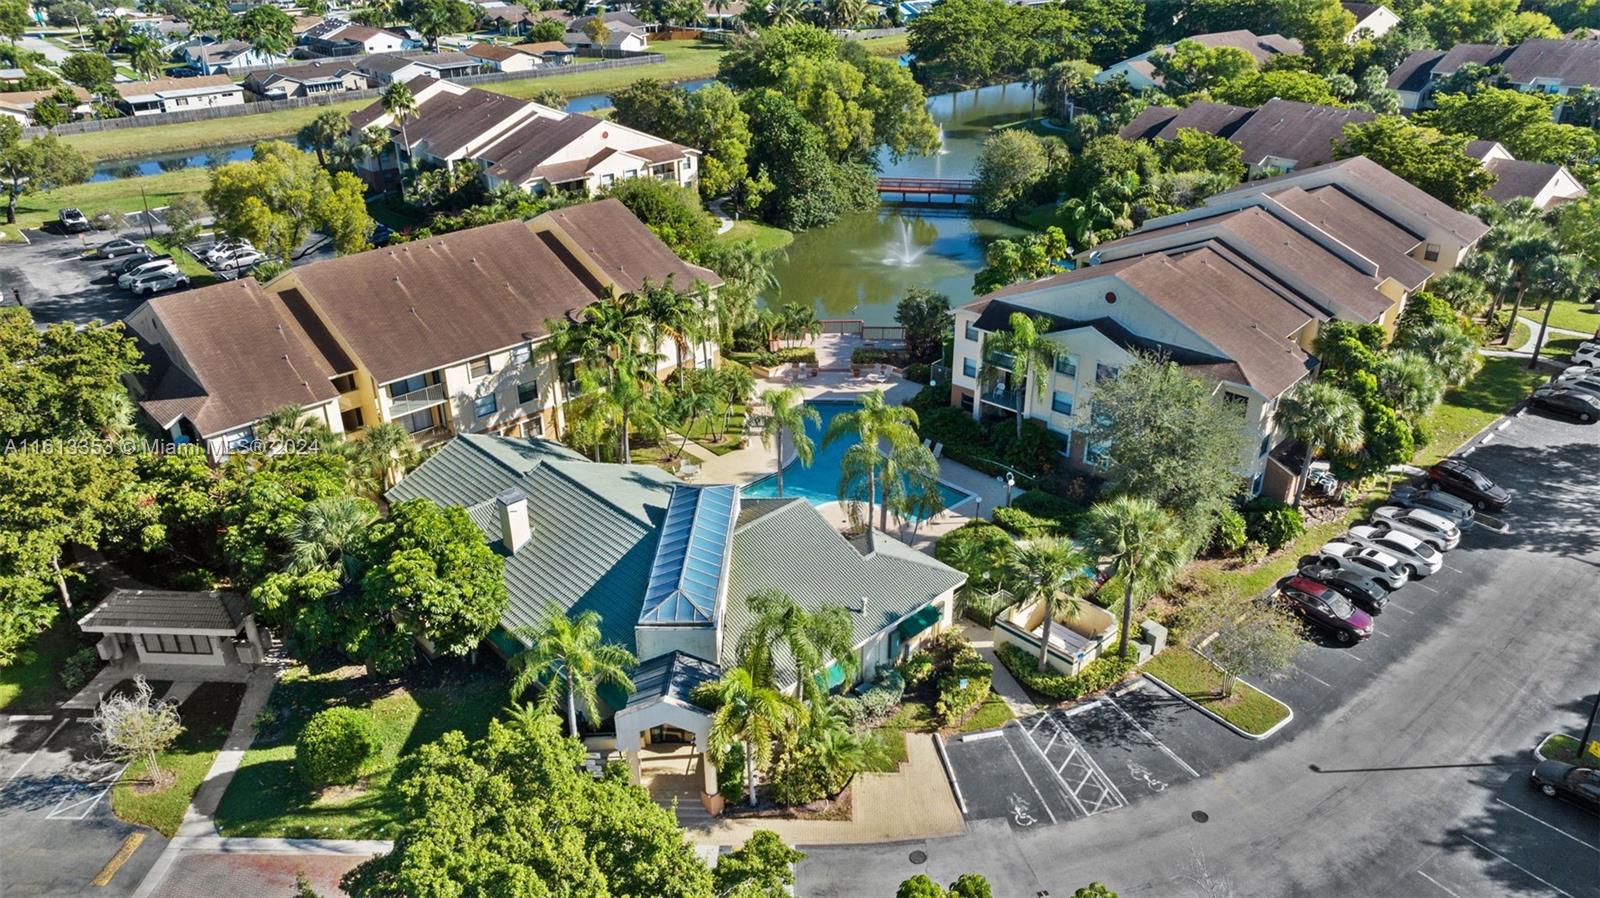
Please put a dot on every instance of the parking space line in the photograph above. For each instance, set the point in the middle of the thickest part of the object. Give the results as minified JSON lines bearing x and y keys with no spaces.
{"x":1557,"y":889}
{"x":1024,"y":768}
{"x":1427,"y":587}
{"x":1398,"y":608}
{"x":1352,"y":656}
{"x":1447,"y":889}
{"x":1158,"y":743}
{"x":1377,"y":632}
{"x":1550,"y":825}
{"x":29,"y":759}
{"x":1317,"y":678}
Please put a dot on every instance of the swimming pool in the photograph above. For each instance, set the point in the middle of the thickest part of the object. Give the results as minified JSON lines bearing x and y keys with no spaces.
{"x":819,"y":484}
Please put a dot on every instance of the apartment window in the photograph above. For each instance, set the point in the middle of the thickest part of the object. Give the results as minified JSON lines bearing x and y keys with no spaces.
{"x":527,"y":392}
{"x":1431,"y":252}
{"x":520,"y":355}
{"x":1097,"y":454}
{"x":1238,"y":403}
{"x":484,"y":406}
{"x":607,"y":180}
{"x":1066,"y":442}
{"x":480,"y":367}
{"x":1104,"y":372}
{"x":966,"y":402}
{"x":409,"y":385}
{"x":1067,"y":365}
{"x":1061,"y":403}
{"x":972,"y":332}
{"x":345,"y":383}
{"x":176,"y":643}
{"x":1255,"y":485}
{"x":969,"y":367}
{"x":417,"y":422}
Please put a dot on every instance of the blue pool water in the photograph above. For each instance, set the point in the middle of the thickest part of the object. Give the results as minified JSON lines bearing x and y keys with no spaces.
{"x":819,"y":484}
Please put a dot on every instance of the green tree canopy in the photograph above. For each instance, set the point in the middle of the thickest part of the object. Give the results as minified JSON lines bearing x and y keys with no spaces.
{"x":962,"y":43}
{"x":1256,"y":88}
{"x":760,"y":868}
{"x":29,"y":166}
{"x":671,"y":212}
{"x":1027,"y":258}
{"x":63,"y":382}
{"x":1435,"y":162}
{"x":1191,"y":66}
{"x":925,"y":314}
{"x":90,"y":71}
{"x":269,"y":29}
{"x":1520,"y":121}
{"x":277,"y":197}
{"x":1191,"y":150}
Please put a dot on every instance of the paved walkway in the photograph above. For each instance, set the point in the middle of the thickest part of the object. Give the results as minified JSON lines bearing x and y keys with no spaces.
{"x":1526,"y":349}
{"x":724,"y":223}
{"x":916,"y":803}
{"x":1002,"y":682}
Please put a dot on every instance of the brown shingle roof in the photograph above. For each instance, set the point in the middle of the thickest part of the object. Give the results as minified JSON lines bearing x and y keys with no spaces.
{"x":164,"y":85}
{"x":1517,"y":177}
{"x":249,"y":354}
{"x":169,"y":610}
{"x":624,"y":249}
{"x":1357,"y":226}
{"x":1261,"y":46}
{"x":522,"y":150}
{"x":1162,"y":122}
{"x":496,"y":52}
{"x":540,"y":47}
{"x":1286,"y":129}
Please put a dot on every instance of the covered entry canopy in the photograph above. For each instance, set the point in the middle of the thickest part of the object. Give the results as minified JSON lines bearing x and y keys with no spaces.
{"x":663,"y":689}
{"x":163,"y":611}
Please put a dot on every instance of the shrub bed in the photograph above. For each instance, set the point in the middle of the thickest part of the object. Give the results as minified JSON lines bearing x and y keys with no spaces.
{"x":336,"y":746}
{"x":992,"y":448}
{"x":964,"y":686}
{"x":1102,"y":673}
{"x":802,"y":354}
{"x":1064,"y":514}
{"x":1272,"y":523}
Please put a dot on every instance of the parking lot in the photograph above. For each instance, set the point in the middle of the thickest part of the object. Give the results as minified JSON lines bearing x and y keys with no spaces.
{"x":58,"y":835}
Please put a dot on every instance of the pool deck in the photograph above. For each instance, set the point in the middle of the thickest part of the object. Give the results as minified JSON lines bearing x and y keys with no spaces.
{"x":742,"y":466}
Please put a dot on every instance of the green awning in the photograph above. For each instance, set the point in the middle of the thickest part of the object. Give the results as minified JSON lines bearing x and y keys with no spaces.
{"x":506,"y":643}
{"x":925,"y":617}
{"x":831,"y":678}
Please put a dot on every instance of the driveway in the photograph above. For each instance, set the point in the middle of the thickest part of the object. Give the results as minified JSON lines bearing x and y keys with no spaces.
{"x":56,"y":283}
{"x":1405,"y":770}
{"x":57,"y":833}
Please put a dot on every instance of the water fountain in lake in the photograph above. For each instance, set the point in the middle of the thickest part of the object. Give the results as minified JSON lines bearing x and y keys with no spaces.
{"x":907,"y":253}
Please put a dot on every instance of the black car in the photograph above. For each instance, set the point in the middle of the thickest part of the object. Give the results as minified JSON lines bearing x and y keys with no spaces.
{"x":128,"y":263}
{"x":1579,"y":785}
{"x":1574,"y":401}
{"x":1366,"y":593}
{"x":1458,"y":478}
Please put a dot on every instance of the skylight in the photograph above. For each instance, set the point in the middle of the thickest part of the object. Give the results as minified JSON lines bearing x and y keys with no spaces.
{"x":691,"y":561}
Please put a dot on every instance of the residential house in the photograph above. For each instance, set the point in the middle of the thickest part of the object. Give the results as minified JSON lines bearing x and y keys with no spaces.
{"x":625,"y":32}
{"x":1373,"y":20}
{"x":549,"y":52}
{"x":386,"y":67}
{"x":1556,"y":67}
{"x":522,"y":144}
{"x":507,"y":18}
{"x":214,"y":57}
{"x":668,"y":567}
{"x":1234,"y":291}
{"x":504,"y":58}
{"x":304,"y":24}
{"x":1545,"y":184}
{"x":345,"y":39}
{"x":18,"y":104}
{"x":178,"y":94}
{"x":1140,"y":71}
{"x":440,"y":335}
{"x":1278,"y":136}
{"x":309,"y":79}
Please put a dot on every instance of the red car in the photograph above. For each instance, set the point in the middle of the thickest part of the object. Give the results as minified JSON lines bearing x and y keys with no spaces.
{"x":1326,"y":609}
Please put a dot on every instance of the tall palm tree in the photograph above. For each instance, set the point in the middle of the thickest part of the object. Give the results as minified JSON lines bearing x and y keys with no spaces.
{"x":1409,"y":382}
{"x":573,"y":650}
{"x":327,"y":535}
{"x":324,"y":132}
{"x":144,"y":55}
{"x":387,"y":450}
{"x":735,"y":384}
{"x":752,"y":714}
{"x":1320,"y":414}
{"x":1451,"y":353}
{"x":688,"y":404}
{"x":815,"y":641}
{"x":1564,"y":276}
{"x":784,"y":12}
{"x":401,"y":104}
{"x":1054,"y":573}
{"x":1140,"y":542}
{"x":632,"y":389}
{"x":374,"y":141}
{"x":673,"y":315}
{"x":1033,"y":357}
{"x":873,"y":422}
{"x":788,"y":413}
{"x":289,"y":424}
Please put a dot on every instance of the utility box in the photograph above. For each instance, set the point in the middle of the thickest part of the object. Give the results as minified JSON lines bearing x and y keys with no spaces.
{"x":1154,"y":635}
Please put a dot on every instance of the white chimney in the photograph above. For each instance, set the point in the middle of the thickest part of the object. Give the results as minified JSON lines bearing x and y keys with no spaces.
{"x":514,"y":526}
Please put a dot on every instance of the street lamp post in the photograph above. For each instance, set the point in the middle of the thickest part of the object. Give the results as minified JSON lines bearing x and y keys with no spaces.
{"x":1011,"y":481}
{"x":979,"y":515}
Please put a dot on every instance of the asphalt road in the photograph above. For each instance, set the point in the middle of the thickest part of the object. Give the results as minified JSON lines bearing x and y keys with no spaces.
{"x":1405,"y":770}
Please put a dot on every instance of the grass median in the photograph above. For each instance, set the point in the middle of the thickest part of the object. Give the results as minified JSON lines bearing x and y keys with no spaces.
{"x":1469,"y":408}
{"x":1200,"y":681}
{"x":207,"y":717}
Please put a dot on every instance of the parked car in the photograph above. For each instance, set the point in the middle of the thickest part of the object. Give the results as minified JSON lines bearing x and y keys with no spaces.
{"x":1577,"y":372}
{"x":216,"y":252}
{"x":1326,"y":609}
{"x":157,"y":281}
{"x":151,"y":266}
{"x":381,"y":235}
{"x":1434,"y":529}
{"x":1587,"y":354}
{"x":131,"y":261}
{"x":1441,"y":503}
{"x":1420,"y":557}
{"x":73,"y":221}
{"x":243,"y":257}
{"x":1455,"y":476}
{"x":1368,"y":594}
{"x":121,"y":246}
{"x":1575,"y":399}
{"x":1374,"y":563}
{"x":1557,"y":779}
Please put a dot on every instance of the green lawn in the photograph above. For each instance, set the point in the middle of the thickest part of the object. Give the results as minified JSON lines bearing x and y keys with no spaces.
{"x":994,"y":712}
{"x":1519,"y":335}
{"x":207,"y":717}
{"x":1573,"y":316}
{"x":1200,"y":681}
{"x":1561,"y":348}
{"x":123,"y":195}
{"x":267,"y":798}
{"x":1476,"y":404}
{"x":34,"y":683}
{"x":767,"y":238}
{"x":912,"y":717}
{"x":1561,"y":747}
{"x":704,"y":428}
{"x":1245,"y":584}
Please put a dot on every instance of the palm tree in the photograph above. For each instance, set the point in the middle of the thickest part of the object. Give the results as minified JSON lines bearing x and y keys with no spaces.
{"x":328,"y":534}
{"x":632,"y":390}
{"x":788,"y":413}
{"x":1033,"y":357}
{"x":1054,"y":573}
{"x":672,"y":315}
{"x":573,"y":650}
{"x":752,"y":714}
{"x":842,"y":751}
{"x":872,"y":422}
{"x":387,"y":450}
{"x":735,"y":384}
{"x":1034,"y":76}
{"x":374,"y":141}
{"x":399,"y":102}
{"x":1451,"y":353}
{"x":290,"y":424}
{"x":1409,"y":382}
{"x":1563,"y":276}
{"x":815,"y":641}
{"x":799,"y":321}
{"x":322,"y":133}
{"x":1140,"y":542}
{"x":784,"y":12}
{"x":1320,"y":414}
{"x":144,"y":55}
{"x":691,"y":402}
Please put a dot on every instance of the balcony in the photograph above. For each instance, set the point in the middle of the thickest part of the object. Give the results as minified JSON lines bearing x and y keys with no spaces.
{"x":1004,"y":398}
{"x":1000,"y":360}
{"x":416,"y":401}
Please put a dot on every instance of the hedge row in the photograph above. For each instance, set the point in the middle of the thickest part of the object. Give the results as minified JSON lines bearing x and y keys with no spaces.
{"x":802,"y":354}
{"x":1102,"y":673}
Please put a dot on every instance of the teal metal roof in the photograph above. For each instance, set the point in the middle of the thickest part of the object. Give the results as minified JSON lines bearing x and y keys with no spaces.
{"x":690,"y":567}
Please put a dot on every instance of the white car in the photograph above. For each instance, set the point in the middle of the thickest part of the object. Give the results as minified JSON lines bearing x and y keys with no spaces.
{"x":126,"y":279}
{"x":1374,"y":563}
{"x":1587,"y":354}
{"x":156,"y":281}
{"x":219,"y":251}
{"x":1413,"y":553}
{"x":243,"y":257}
{"x":1434,"y":529}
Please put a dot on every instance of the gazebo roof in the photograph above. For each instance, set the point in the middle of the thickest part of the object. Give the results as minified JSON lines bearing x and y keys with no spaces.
{"x":167,"y":611}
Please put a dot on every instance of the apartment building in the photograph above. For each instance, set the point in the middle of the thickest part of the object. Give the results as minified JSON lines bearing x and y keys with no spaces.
{"x":1543,"y":66}
{"x":1545,"y":184}
{"x":1373,"y":20}
{"x":441,"y":335}
{"x":1234,"y":291}
{"x":520,"y":143}
{"x":1140,"y":70}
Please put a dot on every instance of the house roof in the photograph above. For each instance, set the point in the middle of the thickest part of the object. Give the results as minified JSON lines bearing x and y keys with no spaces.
{"x":320,"y":70}
{"x":673,"y":676}
{"x":163,"y":86}
{"x":1163,"y":122}
{"x":538,"y":48}
{"x":1517,"y":177}
{"x":1358,"y":226}
{"x":1414,"y":72}
{"x":1360,"y":10}
{"x":1260,"y":46}
{"x":496,"y":52}
{"x":386,"y":63}
{"x":995,"y":316}
{"x":221,"y":613}
{"x":1282,"y":129}
{"x":250,"y":353}
{"x":518,"y":154}
{"x":624,"y":248}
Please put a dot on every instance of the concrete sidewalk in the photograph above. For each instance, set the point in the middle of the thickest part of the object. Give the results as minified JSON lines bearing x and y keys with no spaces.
{"x":1002,"y":683}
